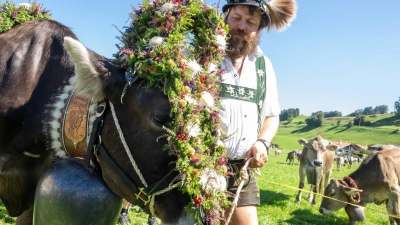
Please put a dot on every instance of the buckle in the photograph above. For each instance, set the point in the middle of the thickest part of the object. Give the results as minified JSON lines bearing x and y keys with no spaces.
{"x":138,"y":196}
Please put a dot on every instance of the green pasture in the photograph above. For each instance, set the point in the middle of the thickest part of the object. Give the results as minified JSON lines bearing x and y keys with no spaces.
{"x":278,"y":183}
{"x":384,"y":129}
{"x":279,"y":180}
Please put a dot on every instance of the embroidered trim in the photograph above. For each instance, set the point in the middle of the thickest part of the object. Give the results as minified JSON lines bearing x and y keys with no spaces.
{"x":238,"y":92}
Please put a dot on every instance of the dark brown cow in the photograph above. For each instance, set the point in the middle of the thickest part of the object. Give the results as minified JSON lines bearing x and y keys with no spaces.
{"x":36,"y":74}
{"x":376,"y":180}
{"x":315,"y":161}
{"x":291,"y":156}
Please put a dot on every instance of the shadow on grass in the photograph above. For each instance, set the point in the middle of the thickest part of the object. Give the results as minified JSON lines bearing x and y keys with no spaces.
{"x":342,"y":130}
{"x":303,"y":130}
{"x":306,"y":217}
{"x":4,"y":216}
{"x":273,"y":198}
{"x":391,"y":121}
{"x":332,"y":128}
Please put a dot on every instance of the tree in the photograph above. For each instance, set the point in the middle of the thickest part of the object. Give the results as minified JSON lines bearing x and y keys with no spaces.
{"x":397,"y":108}
{"x":381,"y":109}
{"x":368,"y":111}
{"x":316,"y":119}
{"x":356,"y":113}
{"x":332,"y":114}
{"x":289,"y":114}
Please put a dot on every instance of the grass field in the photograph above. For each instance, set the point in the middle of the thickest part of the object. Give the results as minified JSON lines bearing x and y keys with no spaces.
{"x":279,"y":180}
{"x":278,"y":185}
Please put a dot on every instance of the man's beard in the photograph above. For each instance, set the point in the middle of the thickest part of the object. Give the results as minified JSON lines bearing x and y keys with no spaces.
{"x":238,"y":47}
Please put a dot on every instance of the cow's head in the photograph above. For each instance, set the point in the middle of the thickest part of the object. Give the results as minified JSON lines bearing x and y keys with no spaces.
{"x":314,"y":149}
{"x":336,"y":191}
{"x":141,"y":117}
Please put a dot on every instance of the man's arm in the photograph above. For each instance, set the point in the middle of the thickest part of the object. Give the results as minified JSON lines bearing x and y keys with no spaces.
{"x":258,"y":151}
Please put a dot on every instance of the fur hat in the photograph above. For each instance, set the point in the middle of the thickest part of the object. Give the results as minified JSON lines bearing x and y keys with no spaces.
{"x":278,"y":13}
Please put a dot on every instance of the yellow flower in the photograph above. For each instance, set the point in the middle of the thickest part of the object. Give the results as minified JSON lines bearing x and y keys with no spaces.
{"x":196,"y":172}
{"x":170,"y":63}
{"x":152,"y":54}
{"x":182,"y":102}
{"x":152,"y":69}
{"x":191,"y":151}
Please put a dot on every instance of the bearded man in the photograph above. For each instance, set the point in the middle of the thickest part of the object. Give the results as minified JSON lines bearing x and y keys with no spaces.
{"x":249,"y":96}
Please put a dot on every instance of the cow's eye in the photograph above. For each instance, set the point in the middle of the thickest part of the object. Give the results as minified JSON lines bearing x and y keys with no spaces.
{"x":160,"y":120}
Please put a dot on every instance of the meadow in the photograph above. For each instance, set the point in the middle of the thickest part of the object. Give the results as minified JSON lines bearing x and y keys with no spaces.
{"x":279,"y":181}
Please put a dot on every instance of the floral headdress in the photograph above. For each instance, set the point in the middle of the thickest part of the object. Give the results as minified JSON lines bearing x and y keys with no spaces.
{"x":178,"y":46}
{"x":12,"y":15}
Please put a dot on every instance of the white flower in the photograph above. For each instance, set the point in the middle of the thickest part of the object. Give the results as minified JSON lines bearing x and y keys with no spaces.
{"x":167,"y":7}
{"x":241,"y":91}
{"x":194,"y":130}
{"x":156,"y":41}
{"x":260,"y":72}
{"x":210,"y":180}
{"x":26,"y":5}
{"x":221,"y":42}
{"x":250,"y":94}
{"x":212,"y":68}
{"x":207,"y":99}
{"x":194,"y":67}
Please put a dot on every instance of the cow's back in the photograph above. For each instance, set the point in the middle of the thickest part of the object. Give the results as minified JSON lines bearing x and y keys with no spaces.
{"x":329,"y":158}
{"x":32,"y":63}
{"x":381,"y":166}
{"x":33,"y":66}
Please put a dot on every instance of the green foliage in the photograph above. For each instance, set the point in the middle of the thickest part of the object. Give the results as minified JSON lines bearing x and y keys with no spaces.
{"x":332,"y":114}
{"x":397,"y":108}
{"x":12,"y":15}
{"x":349,"y":124}
{"x":289,"y":114}
{"x":316,"y":119}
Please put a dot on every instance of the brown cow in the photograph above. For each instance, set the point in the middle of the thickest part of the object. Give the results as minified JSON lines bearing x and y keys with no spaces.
{"x":315,"y":157}
{"x":376,"y":181}
{"x":339,"y":162}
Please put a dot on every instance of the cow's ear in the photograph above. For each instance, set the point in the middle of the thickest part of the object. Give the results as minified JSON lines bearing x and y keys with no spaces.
{"x":88,"y":83}
{"x":350,"y":191}
{"x":332,"y":147}
{"x":302,"y":141}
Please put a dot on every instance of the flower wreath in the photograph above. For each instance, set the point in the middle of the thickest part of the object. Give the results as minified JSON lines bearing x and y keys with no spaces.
{"x":348,"y":182}
{"x":178,"y":46}
{"x":12,"y":15}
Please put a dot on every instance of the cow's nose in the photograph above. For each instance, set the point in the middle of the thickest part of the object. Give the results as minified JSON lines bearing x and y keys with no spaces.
{"x":321,"y":210}
{"x":317,"y":163}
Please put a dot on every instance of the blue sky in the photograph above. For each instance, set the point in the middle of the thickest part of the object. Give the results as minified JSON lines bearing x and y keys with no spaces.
{"x":337,"y":55}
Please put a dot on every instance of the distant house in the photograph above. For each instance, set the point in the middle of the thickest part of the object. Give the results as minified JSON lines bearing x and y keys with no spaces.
{"x":346,"y":147}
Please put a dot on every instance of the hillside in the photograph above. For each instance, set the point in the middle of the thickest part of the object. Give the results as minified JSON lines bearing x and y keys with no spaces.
{"x":384,"y":129}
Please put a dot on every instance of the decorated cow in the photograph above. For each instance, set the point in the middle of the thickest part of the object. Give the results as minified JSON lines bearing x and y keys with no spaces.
{"x":147,"y":121}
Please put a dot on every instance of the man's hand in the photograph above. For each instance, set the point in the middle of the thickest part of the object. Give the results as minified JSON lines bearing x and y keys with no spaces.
{"x":259,"y":154}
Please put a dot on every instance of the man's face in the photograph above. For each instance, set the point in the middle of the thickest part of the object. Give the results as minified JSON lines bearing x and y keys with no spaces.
{"x":243,"y":29}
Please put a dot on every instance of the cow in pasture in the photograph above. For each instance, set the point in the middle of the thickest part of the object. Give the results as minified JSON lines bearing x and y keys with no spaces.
{"x":291,"y":156}
{"x":43,"y":68}
{"x":375,"y":181}
{"x":298,"y":155}
{"x":316,"y":161}
{"x":339,"y":162}
{"x":278,"y":152}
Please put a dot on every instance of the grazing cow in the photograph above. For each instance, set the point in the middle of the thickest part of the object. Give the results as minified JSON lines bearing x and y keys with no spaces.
{"x":36,"y":76}
{"x":278,"y":152}
{"x":375,"y":181}
{"x":339,"y":162}
{"x":291,"y":155}
{"x":315,"y":161}
{"x":299,"y":155}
